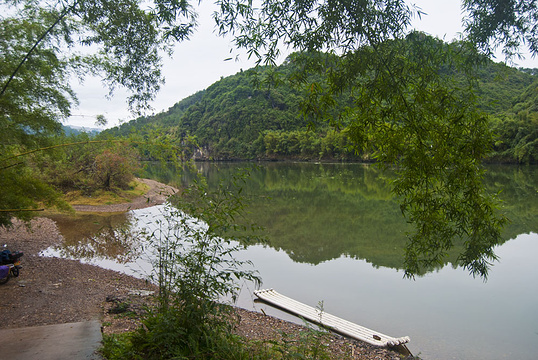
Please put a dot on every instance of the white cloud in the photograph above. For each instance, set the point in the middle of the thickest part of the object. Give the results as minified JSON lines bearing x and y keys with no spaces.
{"x":195,"y":65}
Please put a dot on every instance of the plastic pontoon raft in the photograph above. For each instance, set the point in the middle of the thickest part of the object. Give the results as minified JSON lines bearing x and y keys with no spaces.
{"x":331,"y":322}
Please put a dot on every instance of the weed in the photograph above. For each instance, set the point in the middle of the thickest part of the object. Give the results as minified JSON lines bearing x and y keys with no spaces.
{"x":119,"y":308}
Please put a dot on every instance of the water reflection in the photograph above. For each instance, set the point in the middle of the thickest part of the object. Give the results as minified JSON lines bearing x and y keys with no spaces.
{"x":99,"y":236}
{"x":321,"y":220}
{"x":518,"y":186}
{"x":318,"y":212}
{"x":313,"y":212}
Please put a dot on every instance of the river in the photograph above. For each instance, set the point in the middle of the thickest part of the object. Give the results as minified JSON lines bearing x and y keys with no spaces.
{"x":334,"y":234}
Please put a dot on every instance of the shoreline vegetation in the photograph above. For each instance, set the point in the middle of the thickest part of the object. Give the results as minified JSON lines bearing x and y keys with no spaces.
{"x":218,"y":123}
{"x":153,"y":193}
{"x":56,"y":290}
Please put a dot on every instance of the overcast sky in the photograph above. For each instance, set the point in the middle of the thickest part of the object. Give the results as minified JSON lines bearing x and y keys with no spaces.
{"x":201,"y":61}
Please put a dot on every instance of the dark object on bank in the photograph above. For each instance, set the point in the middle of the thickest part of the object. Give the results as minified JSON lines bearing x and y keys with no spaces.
{"x":10,"y":265}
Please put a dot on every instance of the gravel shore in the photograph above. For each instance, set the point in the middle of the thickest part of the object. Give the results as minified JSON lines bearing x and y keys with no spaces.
{"x":55,"y":291}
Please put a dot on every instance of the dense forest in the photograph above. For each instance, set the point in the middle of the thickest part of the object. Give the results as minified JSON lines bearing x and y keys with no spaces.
{"x":256,"y":114}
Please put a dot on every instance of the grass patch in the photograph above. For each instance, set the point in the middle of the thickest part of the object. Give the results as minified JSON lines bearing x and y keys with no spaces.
{"x":117,"y":346}
{"x":108,"y":197}
{"x":217,"y":344}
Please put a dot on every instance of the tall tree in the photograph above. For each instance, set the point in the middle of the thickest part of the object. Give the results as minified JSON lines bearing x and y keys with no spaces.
{"x":44,"y":45}
{"x":508,"y":24}
{"x":406,"y":110}
{"x":404,"y":107}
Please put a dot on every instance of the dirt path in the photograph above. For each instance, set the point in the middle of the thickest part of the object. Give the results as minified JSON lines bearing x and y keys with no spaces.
{"x":58,"y":291}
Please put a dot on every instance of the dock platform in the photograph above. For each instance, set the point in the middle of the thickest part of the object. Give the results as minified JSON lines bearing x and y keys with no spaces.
{"x":329,"y":321}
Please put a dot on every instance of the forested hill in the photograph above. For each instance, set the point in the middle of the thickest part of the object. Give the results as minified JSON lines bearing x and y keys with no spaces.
{"x":237,"y":118}
{"x":227,"y":118}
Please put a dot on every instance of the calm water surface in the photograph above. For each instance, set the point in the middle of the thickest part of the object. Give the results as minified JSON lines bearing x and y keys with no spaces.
{"x":336,"y":235}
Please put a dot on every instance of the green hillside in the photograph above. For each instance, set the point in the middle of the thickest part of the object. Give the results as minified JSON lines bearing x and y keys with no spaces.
{"x":257,"y":114}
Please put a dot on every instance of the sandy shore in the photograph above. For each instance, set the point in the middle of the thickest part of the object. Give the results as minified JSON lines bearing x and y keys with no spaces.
{"x":54,"y":291}
{"x":157,"y":194}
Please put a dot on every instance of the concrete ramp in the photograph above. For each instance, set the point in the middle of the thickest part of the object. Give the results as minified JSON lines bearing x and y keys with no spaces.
{"x":73,"y":341}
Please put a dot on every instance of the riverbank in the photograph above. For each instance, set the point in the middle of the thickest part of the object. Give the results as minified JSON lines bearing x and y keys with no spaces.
{"x":56,"y":291}
{"x":157,"y":194}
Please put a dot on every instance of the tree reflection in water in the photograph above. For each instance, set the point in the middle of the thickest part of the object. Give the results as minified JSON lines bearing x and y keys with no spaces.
{"x":313,"y":212}
{"x":99,"y":236}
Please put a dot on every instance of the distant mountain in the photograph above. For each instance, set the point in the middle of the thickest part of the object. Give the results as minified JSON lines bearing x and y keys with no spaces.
{"x":75,"y":130}
{"x":236,"y":119}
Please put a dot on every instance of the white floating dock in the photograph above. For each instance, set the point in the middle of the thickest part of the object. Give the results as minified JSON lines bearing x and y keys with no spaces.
{"x":329,"y":321}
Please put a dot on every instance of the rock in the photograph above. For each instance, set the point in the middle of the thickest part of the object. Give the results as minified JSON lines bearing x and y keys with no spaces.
{"x":141,"y":292}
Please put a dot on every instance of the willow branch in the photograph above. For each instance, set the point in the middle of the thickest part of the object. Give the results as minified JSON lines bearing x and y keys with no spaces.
{"x":58,"y":146}
{"x":27,"y":56}
{"x":20,"y":210}
{"x":76,"y":143}
{"x":10,"y":166}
